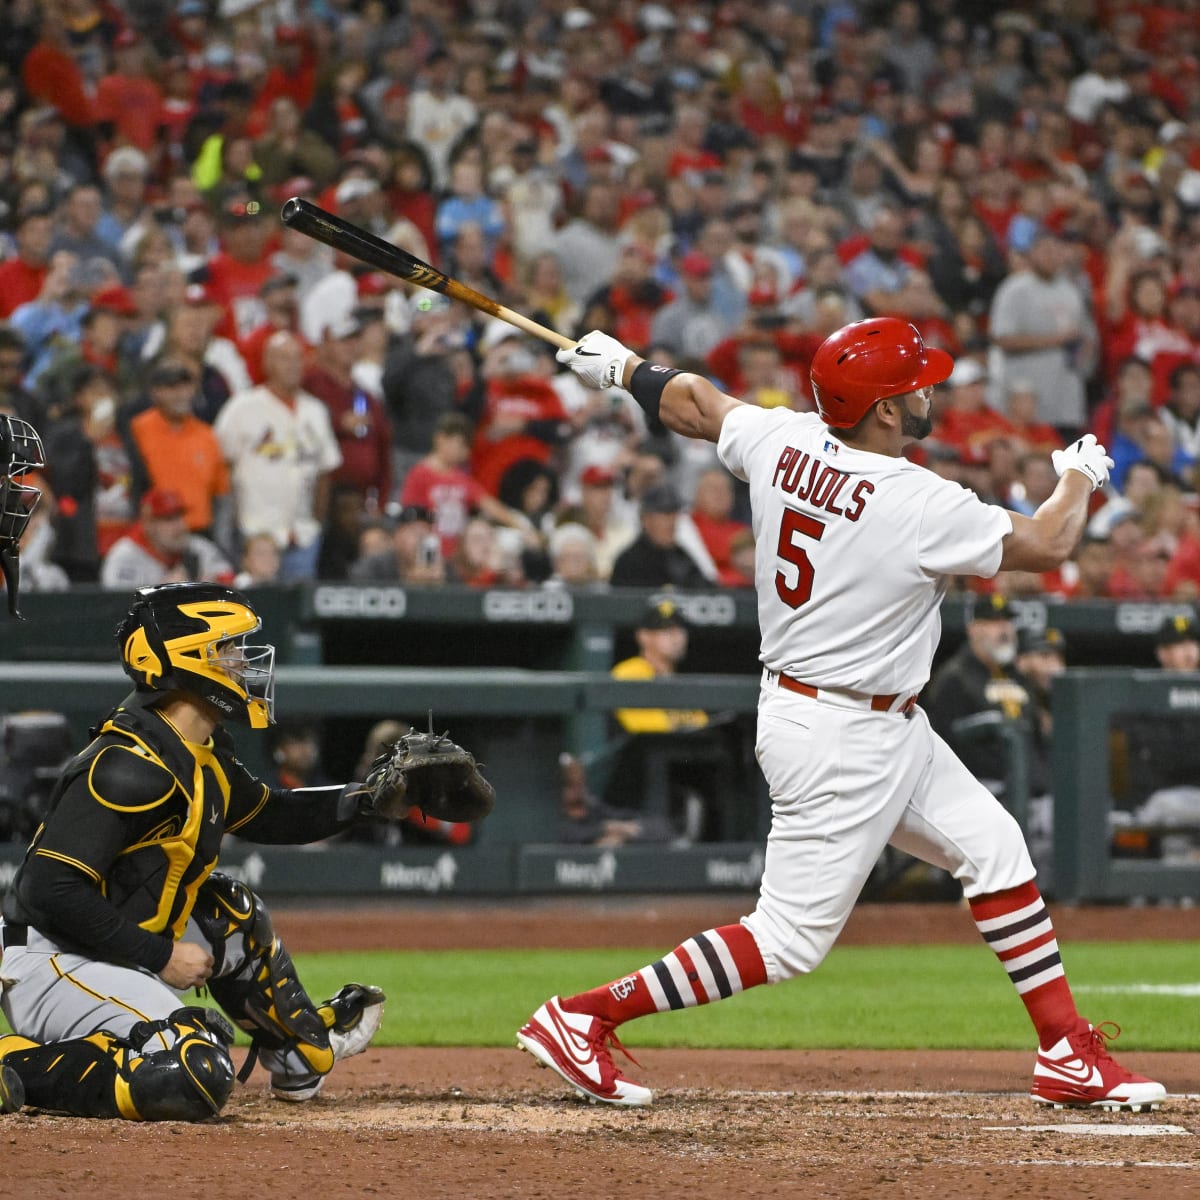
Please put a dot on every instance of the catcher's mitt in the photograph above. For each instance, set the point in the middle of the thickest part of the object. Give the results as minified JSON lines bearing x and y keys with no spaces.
{"x":428,"y":771}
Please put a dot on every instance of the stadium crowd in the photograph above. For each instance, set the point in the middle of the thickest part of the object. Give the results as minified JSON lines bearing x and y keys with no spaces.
{"x":719,"y":185}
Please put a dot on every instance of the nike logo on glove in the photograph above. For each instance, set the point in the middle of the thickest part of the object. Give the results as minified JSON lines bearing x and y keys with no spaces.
{"x":587,"y":353}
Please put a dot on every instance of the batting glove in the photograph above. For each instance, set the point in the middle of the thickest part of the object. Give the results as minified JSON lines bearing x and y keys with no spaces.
{"x":599,"y":360}
{"x":1086,"y":456}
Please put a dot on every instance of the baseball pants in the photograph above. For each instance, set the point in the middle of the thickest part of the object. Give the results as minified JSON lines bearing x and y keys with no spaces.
{"x":845,"y":782}
{"x":51,"y":995}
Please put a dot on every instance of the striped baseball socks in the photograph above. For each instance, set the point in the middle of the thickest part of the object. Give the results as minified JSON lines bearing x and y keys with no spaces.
{"x":710,"y":966}
{"x":1017,"y":926}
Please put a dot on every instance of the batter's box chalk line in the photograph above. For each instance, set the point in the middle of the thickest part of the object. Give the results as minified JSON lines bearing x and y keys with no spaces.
{"x":829,"y":1093}
{"x":1085,"y":1162}
{"x":886,"y":1094}
{"x":1095,"y":1130}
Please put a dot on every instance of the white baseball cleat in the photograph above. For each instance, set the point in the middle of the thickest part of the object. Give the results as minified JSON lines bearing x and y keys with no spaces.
{"x":576,"y":1046}
{"x":298,"y":1091}
{"x":1078,"y":1072}
{"x":357,"y":1015}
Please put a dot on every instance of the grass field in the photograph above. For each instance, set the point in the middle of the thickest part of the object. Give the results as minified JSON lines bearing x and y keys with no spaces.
{"x":897,"y":997}
{"x":870,"y":997}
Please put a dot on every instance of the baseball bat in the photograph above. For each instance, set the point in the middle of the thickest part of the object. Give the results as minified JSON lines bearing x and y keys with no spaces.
{"x":359,"y":243}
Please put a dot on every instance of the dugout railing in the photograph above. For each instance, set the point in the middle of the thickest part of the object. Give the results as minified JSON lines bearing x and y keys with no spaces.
{"x":518,"y":721}
{"x":1089,"y":863}
{"x":561,"y":629}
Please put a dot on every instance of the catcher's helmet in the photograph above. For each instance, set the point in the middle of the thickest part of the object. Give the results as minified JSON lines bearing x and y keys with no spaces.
{"x":20,"y":453}
{"x":868,"y":361}
{"x":190,"y":637}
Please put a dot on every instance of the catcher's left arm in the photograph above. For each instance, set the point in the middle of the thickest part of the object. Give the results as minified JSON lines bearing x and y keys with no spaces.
{"x":428,"y":771}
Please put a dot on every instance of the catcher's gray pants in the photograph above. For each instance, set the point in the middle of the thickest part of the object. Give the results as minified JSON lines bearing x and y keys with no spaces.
{"x":50,"y":995}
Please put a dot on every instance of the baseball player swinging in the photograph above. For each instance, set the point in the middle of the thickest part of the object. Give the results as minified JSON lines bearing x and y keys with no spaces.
{"x":116,"y":910}
{"x":853,"y":547}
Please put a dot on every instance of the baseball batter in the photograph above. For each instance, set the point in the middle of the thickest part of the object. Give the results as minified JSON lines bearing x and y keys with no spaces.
{"x":854,"y":545}
{"x":116,"y":911}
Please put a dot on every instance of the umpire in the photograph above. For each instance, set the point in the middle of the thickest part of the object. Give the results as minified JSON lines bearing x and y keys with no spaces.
{"x":20,"y":454}
{"x":116,"y":910}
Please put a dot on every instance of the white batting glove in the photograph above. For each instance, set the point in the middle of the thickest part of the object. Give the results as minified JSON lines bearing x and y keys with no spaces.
{"x":1086,"y":456}
{"x":599,"y":360}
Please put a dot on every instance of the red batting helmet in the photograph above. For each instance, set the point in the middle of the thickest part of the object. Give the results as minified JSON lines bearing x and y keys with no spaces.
{"x":869,"y":361}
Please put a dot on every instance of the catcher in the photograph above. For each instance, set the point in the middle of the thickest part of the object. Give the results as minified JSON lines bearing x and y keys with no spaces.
{"x":116,"y":910}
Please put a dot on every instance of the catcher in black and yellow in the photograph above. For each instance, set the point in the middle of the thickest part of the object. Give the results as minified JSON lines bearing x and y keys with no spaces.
{"x":116,"y":910}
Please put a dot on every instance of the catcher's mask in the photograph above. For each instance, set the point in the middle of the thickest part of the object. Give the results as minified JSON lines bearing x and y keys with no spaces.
{"x":191,"y":637}
{"x":20,"y":452}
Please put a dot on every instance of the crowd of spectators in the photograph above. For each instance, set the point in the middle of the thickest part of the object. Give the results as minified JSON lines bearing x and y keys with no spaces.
{"x":719,"y":185}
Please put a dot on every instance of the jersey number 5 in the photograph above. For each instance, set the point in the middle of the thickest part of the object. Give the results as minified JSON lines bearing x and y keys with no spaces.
{"x":796,"y":523}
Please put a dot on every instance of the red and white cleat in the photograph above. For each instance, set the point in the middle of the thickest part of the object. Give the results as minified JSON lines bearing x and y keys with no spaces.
{"x":1078,"y":1072}
{"x":576,"y":1045}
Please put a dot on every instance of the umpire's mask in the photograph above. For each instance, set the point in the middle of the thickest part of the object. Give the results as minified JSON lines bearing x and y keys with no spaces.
{"x":20,"y":452}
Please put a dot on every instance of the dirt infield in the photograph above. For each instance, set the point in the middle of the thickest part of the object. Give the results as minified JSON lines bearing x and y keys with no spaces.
{"x":484,"y":1124}
{"x":665,"y":921}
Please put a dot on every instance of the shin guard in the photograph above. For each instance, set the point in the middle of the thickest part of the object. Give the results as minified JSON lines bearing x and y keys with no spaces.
{"x":263,"y":996}
{"x":102,"y":1075}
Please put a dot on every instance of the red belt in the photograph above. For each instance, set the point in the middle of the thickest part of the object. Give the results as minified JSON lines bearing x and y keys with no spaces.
{"x":880,"y":703}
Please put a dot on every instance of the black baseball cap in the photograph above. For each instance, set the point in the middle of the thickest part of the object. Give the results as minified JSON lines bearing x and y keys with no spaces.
{"x":1049,"y":640}
{"x":662,"y":614}
{"x":662,"y":499}
{"x":993,"y":606}
{"x":1179,"y":628}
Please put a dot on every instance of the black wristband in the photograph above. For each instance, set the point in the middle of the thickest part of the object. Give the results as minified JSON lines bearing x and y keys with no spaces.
{"x":647,"y":383}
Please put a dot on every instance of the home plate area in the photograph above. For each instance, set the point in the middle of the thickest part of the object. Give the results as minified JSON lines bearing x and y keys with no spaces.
{"x":482,"y":1124}
{"x":844,"y":1133}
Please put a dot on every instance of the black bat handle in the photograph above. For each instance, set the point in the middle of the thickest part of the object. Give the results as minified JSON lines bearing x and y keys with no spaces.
{"x":335,"y":231}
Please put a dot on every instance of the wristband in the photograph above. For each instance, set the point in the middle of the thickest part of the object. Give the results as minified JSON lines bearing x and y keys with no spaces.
{"x":646,"y":385}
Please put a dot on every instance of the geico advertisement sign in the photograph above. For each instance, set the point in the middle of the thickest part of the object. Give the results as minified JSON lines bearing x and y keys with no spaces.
{"x":390,"y":602}
{"x":556,"y":606}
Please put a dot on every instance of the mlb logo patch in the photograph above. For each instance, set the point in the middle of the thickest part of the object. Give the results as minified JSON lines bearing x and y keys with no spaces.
{"x":831,"y":447}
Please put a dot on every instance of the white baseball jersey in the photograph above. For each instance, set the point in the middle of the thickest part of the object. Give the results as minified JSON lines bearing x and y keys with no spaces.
{"x":852,"y":550}
{"x":278,"y":452}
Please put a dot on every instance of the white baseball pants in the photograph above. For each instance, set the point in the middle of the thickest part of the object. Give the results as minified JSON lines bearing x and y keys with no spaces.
{"x":844,"y":783}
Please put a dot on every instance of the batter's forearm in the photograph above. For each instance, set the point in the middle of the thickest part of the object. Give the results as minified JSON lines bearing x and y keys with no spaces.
{"x":631,"y":364}
{"x":1045,"y":540}
{"x":1063,"y":516}
{"x":689,"y":403}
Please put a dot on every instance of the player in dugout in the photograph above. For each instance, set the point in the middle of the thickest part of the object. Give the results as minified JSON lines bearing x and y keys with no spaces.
{"x":662,"y":641}
{"x":854,"y":547}
{"x":116,"y":911}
